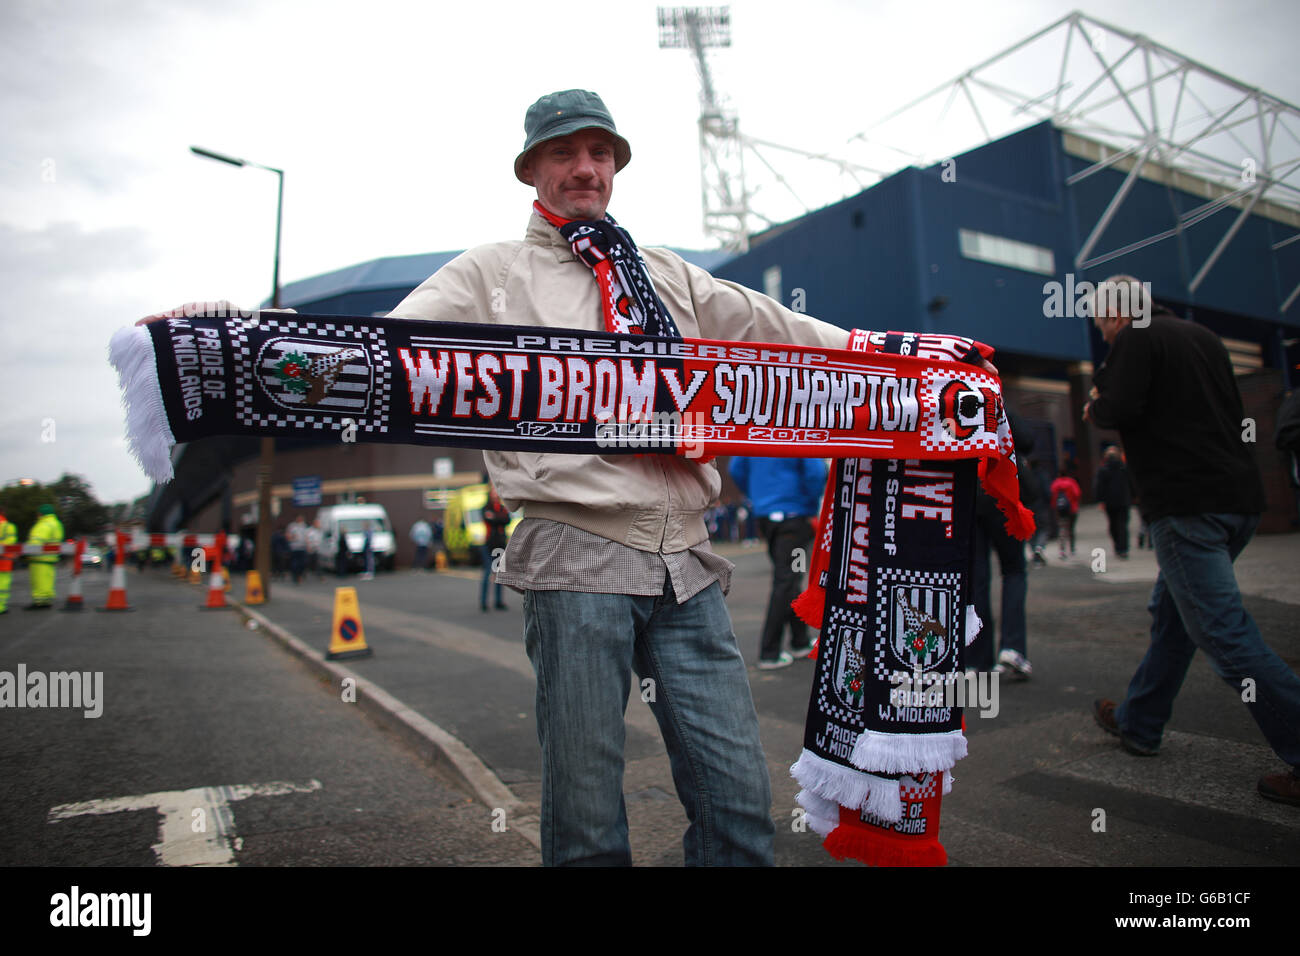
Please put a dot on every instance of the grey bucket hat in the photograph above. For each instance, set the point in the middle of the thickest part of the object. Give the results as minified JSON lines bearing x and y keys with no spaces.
{"x":563,"y":113}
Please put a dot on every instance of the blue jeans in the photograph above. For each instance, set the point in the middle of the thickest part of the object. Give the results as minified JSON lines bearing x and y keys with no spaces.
{"x":991,"y":534}
{"x":584,"y":648}
{"x":486,"y":554}
{"x":1196,"y":603}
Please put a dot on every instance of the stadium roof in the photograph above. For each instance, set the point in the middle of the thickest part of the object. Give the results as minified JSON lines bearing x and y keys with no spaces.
{"x":407,"y":272}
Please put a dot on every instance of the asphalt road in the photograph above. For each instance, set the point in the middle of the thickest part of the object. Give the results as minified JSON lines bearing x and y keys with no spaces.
{"x":201,"y":714}
{"x":194,"y":702}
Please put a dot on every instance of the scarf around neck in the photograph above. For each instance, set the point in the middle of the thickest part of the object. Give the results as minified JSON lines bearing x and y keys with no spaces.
{"x":628,"y":298}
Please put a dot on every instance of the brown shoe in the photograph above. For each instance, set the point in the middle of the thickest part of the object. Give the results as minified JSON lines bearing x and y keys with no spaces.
{"x":1281,"y":788}
{"x":1103,"y":711}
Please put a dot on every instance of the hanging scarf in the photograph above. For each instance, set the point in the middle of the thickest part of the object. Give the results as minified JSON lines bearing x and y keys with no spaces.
{"x":889,"y":589}
{"x":910,"y":840}
{"x":628,"y":298}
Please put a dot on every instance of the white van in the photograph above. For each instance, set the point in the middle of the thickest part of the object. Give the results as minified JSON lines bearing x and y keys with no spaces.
{"x":351,"y":521}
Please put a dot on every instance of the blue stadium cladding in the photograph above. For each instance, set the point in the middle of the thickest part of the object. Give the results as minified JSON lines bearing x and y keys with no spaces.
{"x":889,"y":257}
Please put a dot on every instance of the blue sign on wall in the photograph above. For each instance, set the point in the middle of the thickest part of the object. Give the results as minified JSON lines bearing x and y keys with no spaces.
{"x":306,"y":492}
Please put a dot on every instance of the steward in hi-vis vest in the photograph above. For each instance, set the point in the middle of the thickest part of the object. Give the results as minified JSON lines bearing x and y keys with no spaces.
{"x":47,"y":530}
{"x":8,"y":535}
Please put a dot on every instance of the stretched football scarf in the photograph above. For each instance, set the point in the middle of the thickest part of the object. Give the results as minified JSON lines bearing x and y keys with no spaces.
{"x":889,"y":590}
{"x":296,"y":375}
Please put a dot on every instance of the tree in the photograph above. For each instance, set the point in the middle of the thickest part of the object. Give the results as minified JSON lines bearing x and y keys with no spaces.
{"x":71,"y":497}
{"x":21,"y":504}
{"x":78,"y":509}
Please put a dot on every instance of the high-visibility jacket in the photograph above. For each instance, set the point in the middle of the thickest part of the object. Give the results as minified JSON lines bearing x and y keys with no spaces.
{"x":8,"y":535}
{"x":47,"y":530}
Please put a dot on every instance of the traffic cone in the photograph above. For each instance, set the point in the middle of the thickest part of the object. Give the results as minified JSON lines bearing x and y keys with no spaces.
{"x":195,"y":577}
{"x":348,"y":639}
{"x":73,"y":601}
{"x":253,"y":593}
{"x":217,"y":580}
{"x":225,"y":579}
{"x":216,"y":593}
{"x":117,"y":583}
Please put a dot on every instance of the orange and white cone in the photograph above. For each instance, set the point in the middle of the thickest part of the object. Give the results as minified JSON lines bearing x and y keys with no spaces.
{"x":73,"y":601}
{"x":117,"y":583}
{"x":216,"y":593}
{"x":216,"y":580}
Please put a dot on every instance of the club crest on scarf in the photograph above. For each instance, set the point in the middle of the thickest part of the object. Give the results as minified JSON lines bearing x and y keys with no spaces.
{"x":850,"y":664}
{"x":309,"y":374}
{"x":965,"y":410}
{"x":920,"y":627}
{"x":300,"y":372}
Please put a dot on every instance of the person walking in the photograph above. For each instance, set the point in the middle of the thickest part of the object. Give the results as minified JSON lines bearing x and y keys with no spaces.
{"x":496,"y":519}
{"x":1113,"y":492}
{"x":368,"y":552}
{"x":296,"y":538}
{"x":342,"y":555}
{"x":1065,"y":494}
{"x":1168,"y":386}
{"x":421,"y":535}
{"x":787,"y":495}
{"x":315,"y":539}
{"x":991,"y":536}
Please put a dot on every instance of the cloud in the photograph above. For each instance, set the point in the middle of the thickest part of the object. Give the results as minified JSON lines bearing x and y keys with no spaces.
{"x":68,"y":252}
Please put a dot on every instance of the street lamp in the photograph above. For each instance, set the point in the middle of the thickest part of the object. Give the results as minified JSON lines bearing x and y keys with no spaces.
{"x":266,"y":460}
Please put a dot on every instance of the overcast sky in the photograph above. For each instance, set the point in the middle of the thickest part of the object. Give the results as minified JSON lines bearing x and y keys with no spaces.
{"x":397,"y":124}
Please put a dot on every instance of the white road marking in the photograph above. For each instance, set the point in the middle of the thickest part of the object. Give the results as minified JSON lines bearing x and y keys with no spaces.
{"x":178,"y":844}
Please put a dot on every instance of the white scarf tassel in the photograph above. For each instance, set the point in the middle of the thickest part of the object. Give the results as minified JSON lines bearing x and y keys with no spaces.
{"x":833,"y":783}
{"x":908,"y":753}
{"x":148,"y":435}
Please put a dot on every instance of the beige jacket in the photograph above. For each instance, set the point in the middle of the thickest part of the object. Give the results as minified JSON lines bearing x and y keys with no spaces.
{"x":651,"y":502}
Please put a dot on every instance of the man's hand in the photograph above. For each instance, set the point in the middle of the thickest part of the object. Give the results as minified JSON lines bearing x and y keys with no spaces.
{"x":1093,"y":395}
{"x":192,"y":309}
{"x":218,"y":310}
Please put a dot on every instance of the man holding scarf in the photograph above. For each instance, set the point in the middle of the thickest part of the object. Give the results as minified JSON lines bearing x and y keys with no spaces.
{"x":613,"y":556}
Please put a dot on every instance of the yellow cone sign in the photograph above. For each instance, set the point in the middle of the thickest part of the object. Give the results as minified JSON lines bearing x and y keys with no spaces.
{"x":253,"y":589}
{"x":348,"y":638}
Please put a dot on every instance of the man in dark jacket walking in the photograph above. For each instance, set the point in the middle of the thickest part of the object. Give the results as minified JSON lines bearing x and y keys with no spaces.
{"x":1168,"y":386}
